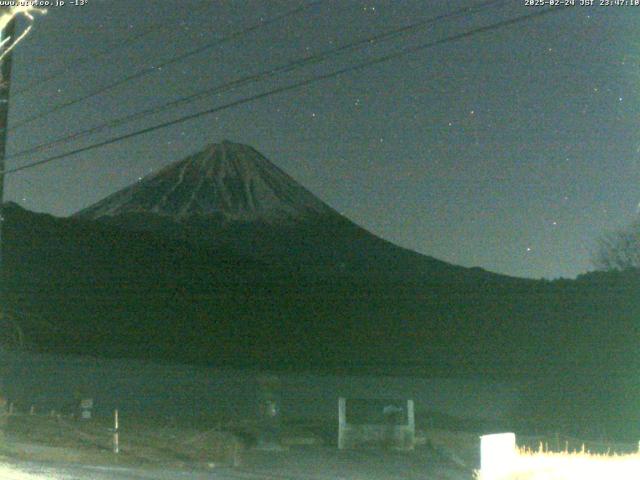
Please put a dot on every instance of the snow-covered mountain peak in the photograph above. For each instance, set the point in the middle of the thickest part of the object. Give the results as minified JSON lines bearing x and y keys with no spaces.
{"x":227,"y":181}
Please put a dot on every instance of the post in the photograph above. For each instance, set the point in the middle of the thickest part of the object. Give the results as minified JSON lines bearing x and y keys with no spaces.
{"x":269,"y":405}
{"x":342,"y":422}
{"x":116,"y":433}
{"x":411,"y":416}
{"x":5,"y":83}
{"x":410,"y":435}
{"x":497,"y":455}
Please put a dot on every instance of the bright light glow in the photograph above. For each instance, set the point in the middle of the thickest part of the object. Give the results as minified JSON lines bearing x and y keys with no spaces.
{"x":8,"y":473}
{"x":498,"y":453}
{"x":9,"y":15}
{"x":528,"y":465}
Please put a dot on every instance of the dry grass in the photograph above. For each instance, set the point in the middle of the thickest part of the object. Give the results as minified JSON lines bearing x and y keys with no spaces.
{"x":60,"y":439}
{"x":463,"y":448}
{"x":543,"y":465}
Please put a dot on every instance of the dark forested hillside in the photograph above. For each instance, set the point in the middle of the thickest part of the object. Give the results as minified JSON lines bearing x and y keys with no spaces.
{"x":105,"y":290}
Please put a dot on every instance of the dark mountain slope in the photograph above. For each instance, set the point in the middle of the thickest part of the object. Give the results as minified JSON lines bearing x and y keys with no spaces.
{"x":108,"y":291}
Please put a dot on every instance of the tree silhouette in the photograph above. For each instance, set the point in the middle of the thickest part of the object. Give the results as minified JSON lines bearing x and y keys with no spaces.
{"x":619,"y":250}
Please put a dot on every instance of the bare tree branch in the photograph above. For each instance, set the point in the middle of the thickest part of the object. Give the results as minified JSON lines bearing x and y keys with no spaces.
{"x":619,"y":250}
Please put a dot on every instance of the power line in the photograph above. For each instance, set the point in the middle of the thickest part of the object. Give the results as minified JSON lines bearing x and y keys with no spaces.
{"x":146,"y":71}
{"x":291,"y":65}
{"x":98,"y":53}
{"x":294,"y":86}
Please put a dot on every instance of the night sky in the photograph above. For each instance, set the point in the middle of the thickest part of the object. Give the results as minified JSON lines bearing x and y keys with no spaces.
{"x":512,"y":150}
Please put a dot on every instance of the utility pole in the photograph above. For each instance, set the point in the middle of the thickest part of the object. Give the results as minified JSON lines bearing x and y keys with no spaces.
{"x":5,"y":84}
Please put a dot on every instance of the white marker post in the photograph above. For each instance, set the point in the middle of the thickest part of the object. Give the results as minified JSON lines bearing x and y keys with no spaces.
{"x":497,"y":455}
{"x":116,"y":436}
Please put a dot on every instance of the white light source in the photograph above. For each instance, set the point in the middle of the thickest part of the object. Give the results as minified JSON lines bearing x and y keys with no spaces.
{"x":9,"y":14}
{"x":497,"y":455}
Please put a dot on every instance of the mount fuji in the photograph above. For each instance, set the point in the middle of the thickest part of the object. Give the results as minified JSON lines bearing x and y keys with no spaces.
{"x":230,"y":196}
{"x":226,"y":183}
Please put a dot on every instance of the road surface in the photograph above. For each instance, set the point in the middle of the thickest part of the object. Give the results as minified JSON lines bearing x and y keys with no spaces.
{"x":303,"y":463}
